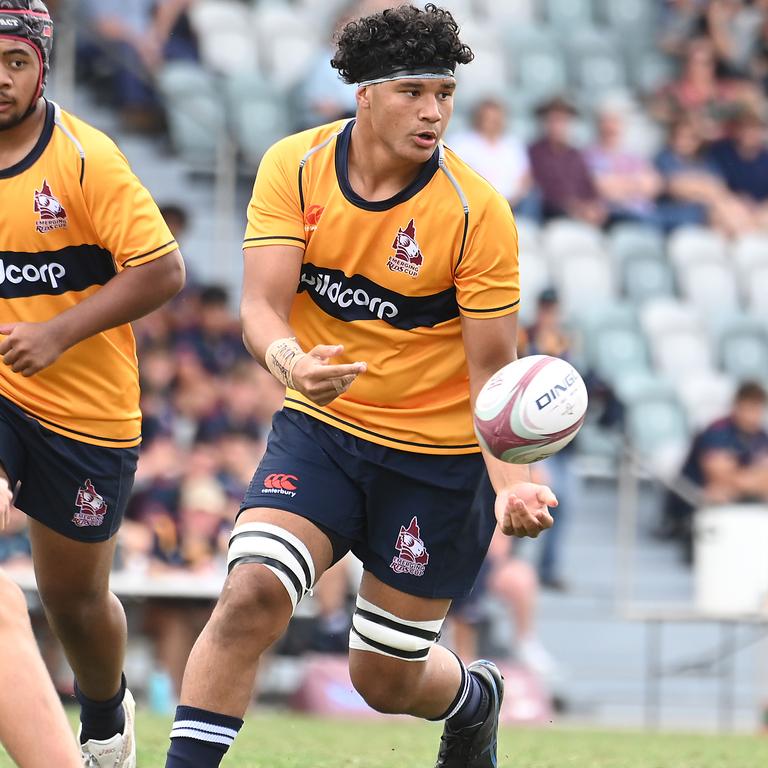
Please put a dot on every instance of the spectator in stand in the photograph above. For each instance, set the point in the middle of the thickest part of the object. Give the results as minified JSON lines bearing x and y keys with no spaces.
{"x":136,"y":38}
{"x":742,"y":159}
{"x":215,"y":339}
{"x":498,"y":156}
{"x":694,"y":190}
{"x":189,"y":514}
{"x":560,"y":170}
{"x":758,"y":65}
{"x":733,"y":26}
{"x":710,"y":100}
{"x":627,"y":182}
{"x":514,"y":583}
{"x":679,"y":21}
{"x":321,"y":95}
{"x":727,"y":463}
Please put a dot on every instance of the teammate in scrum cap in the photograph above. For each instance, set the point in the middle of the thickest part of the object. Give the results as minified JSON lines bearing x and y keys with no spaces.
{"x":406,"y":266}
{"x":84,"y":252}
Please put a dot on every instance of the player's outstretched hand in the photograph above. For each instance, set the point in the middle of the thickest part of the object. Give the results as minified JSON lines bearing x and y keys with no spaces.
{"x":6,"y":499}
{"x":320,"y":381}
{"x":29,"y":347}
{"x":523,"y":509}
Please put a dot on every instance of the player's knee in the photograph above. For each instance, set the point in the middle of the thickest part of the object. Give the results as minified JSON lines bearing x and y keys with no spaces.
{"x":391,"y":689}
{"x":13,"y":606}
{"x":65,"y":601}
{"x":253,"y":604}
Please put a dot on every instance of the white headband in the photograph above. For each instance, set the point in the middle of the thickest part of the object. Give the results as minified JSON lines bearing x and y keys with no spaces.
{"x":414,"y":73}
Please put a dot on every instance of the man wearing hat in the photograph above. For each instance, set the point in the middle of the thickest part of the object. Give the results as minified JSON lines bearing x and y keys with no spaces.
{"x":85,"y":251}
{"x":559,"y":169}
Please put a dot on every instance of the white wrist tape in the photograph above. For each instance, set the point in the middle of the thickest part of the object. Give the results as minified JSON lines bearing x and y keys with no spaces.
{"x":281,"y":358}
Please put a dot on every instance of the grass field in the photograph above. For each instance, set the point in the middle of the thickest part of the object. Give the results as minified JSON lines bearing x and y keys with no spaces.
{"x":282,"y":741}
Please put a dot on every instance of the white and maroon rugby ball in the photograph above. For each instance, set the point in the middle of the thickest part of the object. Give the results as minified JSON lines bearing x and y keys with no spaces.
{"x":530,"y":409}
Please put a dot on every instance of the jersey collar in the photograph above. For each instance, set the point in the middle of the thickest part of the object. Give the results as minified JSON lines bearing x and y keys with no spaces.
{"x":423,"y":178}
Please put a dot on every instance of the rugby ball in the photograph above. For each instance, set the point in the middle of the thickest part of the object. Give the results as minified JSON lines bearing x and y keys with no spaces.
{"x":530,"y":409}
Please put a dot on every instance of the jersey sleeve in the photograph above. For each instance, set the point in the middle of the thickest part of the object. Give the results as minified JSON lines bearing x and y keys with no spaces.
{"x":125,"y":217}
{"x":487,"y":278}
{"x":274,"y":213}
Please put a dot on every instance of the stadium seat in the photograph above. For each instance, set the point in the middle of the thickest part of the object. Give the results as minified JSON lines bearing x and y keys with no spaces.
{"x":534,"y":278}
{"x":646,"y":277}
{"x":598,"y":72}
{"x":583,"y":279}
{"x":629,"y":239}
{"x":287,"y":57}
{"x":627,"y":16}
{"x":567,"y":14}
{"x":228,"y":39}
{"x":258,"y":122}
{"x":649,"y":71}
{"x":196,"y":114}
{"x":664,"y":314}
{"x":519,"y":13}
{"x":562,"y":238}
{"x":743,"y":348}
{"x":679,"y":354}
{"x":528,"y":234}
{"x":540,"y":74}
{"x":658,"y":431}
{"x":749,"y":252}
{"x":619,"y":351}
{"x":705,"y":397}
{"x":693,"y":244}
{"x":594,"y":318}
{"x":710,"y":286}
{"x":487,"y":77}
{"x":635,"y":384}
{"x":757,"y":291}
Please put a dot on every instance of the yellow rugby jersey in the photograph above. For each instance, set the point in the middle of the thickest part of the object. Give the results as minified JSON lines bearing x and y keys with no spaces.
{"x":389,"y":280}
{"x":72,"y":215}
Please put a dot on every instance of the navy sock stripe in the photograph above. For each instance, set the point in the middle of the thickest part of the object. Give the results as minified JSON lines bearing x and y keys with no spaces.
{"x":203,"y":716}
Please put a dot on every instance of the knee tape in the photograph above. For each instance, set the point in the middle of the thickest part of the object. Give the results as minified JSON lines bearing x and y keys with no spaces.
{"x":280,"y":551}
{"x":376,"y":630}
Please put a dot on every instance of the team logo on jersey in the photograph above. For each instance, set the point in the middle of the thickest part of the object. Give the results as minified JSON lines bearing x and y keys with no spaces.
{"x":312,"y":217}
{"x":91,"y":504}
{"x":407,"y":257}
{"x":413,"y":555}
{"x":52,"y":213}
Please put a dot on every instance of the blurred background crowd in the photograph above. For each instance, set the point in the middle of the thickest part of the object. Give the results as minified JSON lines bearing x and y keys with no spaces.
{"x":630,"y":139}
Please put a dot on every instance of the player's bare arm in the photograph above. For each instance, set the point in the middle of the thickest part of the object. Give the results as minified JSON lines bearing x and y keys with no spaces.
{"x":6,"y":498}
{"x":271,"y":274}
{"x":521,"y":505}
{"x":28,"y":348}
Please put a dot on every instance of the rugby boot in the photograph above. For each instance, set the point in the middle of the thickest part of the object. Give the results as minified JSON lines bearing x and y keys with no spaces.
{"x":475,"y":747}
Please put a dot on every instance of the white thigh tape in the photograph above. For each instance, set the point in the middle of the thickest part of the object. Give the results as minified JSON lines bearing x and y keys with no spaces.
{"x":377,"y":630}
{"x":277,"y":549}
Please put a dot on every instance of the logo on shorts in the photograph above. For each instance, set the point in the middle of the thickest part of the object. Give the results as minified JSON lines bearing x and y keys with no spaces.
{"x":52,"y":213}
{"x":407,"y":257}
{"x":312,"y":217}
{"x":92,"y":506}
{"x":282,"y":484}
{"x":413,"y":555}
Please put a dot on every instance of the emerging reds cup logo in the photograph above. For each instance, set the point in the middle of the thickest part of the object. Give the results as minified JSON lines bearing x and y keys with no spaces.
{"x":407,"y":257}
{"x":413,"y":555}
{"x":92,"y":506}
{"x":52,"y":213}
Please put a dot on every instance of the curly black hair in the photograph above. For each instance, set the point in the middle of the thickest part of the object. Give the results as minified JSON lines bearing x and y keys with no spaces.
{"x":399,"y":37}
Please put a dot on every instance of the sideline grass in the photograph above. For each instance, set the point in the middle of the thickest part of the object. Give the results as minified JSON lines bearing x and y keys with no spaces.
{"x":290,"y":741}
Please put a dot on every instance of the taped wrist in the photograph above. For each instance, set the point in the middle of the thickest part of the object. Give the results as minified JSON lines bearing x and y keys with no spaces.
{"x":281,"y":358}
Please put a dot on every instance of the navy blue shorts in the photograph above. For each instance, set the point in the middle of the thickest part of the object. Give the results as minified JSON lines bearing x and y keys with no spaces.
{"x":76,"y":489}
{"x":409,"y":517}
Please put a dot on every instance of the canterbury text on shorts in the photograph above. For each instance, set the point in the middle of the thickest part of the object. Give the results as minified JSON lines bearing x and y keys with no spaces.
{"x":408,"y":516}
{"x":76,"y":489}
